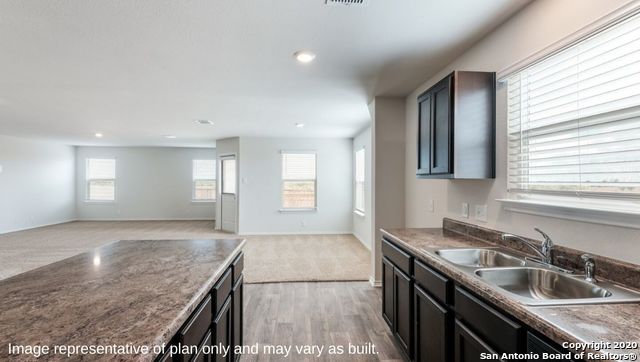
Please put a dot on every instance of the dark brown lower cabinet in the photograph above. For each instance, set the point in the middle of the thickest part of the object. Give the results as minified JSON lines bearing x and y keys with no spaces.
{"x":468,"y":346}
{"x":217,"y":321}
{"x":435,"y":320}
{"x":237,"y":297}
{"x":387,"y":292}
{"x":537,"y":346}
{"x":433,"y":329}
{"x":403,"y":310}
{"x":222,"y":331}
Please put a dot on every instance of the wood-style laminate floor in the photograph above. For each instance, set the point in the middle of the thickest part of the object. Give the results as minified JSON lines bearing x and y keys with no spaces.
{"x":324,"y":314}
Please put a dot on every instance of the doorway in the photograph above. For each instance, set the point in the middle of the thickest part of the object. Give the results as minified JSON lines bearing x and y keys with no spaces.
{"x":229,"y":194}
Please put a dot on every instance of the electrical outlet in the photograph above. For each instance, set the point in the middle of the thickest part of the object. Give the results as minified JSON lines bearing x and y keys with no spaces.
{"x":465,"y":210}
{"x":431,"y":206}
{"x":481,"y":213}
{"x":303,"y":223}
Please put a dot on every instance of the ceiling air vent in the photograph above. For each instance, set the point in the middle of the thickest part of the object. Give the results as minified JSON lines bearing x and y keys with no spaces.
{"x":357,"y":3}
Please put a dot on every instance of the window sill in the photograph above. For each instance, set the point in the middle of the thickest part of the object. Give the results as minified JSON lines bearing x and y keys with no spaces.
{"x":99,"y":202}
{"x":626,"y":214}
{"x":311,"y":209}
{"x":359,"y":213}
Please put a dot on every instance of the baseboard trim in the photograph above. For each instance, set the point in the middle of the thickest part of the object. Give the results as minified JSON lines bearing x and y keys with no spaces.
{"x":150,"y":219}
{"x":258,"y":233}
{"x":375,"y":283}
{"x":36,"y":226}
{"x":362,"y":241}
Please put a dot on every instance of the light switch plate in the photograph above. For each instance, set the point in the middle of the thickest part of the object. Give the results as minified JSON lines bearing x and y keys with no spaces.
{"x":481,"y":213}
{"x":0,"y":168}
{"x":465,"y":210}
{"x":431,"y":206}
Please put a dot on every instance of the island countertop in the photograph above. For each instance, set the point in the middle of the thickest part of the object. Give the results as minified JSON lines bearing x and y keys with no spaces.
{"x":136,"y":293}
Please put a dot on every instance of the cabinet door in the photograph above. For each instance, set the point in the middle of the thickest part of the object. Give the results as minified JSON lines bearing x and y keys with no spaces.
{"x":237,"y":297}
{"x":441,"y":128}
{"x":222,"y":325}
{"x":468,"y":346}
{"x":433,"y":327}
{"x":424,"y":134}
{"x":387,"y":292}
{"x":538,"y":346}
{"x":403,"y":310}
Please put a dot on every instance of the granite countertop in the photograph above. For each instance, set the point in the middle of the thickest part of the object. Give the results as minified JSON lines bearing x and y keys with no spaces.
{"x":574,"y":324}
{"x":127,"y":292}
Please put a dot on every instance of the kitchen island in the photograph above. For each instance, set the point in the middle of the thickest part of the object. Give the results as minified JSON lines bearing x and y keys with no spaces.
{"x":131,"y":297}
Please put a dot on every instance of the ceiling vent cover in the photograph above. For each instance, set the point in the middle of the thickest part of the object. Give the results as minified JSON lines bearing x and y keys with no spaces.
{"x":204,"y":121}
{"x":357,"y":3}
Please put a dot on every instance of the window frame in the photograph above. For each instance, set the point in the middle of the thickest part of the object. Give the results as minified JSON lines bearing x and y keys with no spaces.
{"x":617,"y":209}
{"x":194,"y":180}
{"x":363,"y":211}
{"x":87,"y":192}
{"x":283,"y":180}
{"x":577,"y":194}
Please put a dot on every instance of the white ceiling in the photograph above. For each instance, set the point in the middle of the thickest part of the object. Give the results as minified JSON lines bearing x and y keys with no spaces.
{"x":137,"y":70}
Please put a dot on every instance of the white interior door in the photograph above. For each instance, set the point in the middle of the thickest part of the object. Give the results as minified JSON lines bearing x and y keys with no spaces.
{"x":229,"y":194}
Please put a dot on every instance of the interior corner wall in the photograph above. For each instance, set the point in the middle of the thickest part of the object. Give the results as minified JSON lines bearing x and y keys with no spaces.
{"x":537,"y":26}
{"x":261,"y":183}
{"x":362,"y":228}
{"x":37,"y":184}
{"x":152,"y":183}
{"x":388,"y":134}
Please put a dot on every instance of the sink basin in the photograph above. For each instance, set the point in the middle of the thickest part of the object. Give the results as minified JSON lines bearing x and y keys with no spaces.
{"x":479,"y":258}
{"x":541,"y":284}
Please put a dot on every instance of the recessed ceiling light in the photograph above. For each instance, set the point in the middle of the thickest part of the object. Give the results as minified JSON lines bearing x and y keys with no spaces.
{"x":304,"y":56}
{"x":204,"y":122}
{"x":170,"y":136}
{"x":98,"y":135}
{"x":299,"y":125}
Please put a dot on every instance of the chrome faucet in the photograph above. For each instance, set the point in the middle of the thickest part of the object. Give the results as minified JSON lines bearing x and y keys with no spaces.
{"x":545,"y":249}
{"x":589,"y":268}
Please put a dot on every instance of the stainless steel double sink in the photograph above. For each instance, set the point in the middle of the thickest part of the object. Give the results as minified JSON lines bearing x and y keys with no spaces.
{"x":530,"y":282}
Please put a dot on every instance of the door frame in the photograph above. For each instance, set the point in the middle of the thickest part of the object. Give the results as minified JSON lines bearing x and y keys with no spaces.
{"x":220,"y":158}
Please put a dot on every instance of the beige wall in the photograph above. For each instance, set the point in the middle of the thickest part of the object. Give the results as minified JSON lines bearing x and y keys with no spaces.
{"x":536,"y":27}
{"x":261,"y":184}
{"x":362,"y":228}
{"x":37,"y":184}
{"x":388,"y":132}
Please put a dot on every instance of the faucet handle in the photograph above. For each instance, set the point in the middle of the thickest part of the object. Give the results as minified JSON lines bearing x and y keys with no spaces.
{"x":546,"y":237}
{"x":589,"y":268}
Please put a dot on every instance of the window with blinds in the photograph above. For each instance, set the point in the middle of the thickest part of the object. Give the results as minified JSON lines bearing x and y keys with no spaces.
{"x":204,"y":180}
{"x":298,"y":180}
{"x":574,"y":118}
{"x":101,"y":179}
{"x":359,"y":180}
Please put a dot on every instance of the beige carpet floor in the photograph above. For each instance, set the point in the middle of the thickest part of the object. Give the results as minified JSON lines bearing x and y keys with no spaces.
{"x":294,"y":258}
{"x":267,"y":258}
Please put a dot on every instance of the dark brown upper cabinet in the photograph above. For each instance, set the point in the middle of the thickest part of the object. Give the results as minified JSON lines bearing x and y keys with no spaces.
{"x":456,"y":127}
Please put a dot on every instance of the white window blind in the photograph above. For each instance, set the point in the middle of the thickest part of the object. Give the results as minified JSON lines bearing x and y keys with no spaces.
{"x":229,"y":176}
{"x":204,"y":180}
{"x":574,"y":118}
{"x":360,"y":180}
{"x":101,"y":179}
{"x":298,"y":180}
